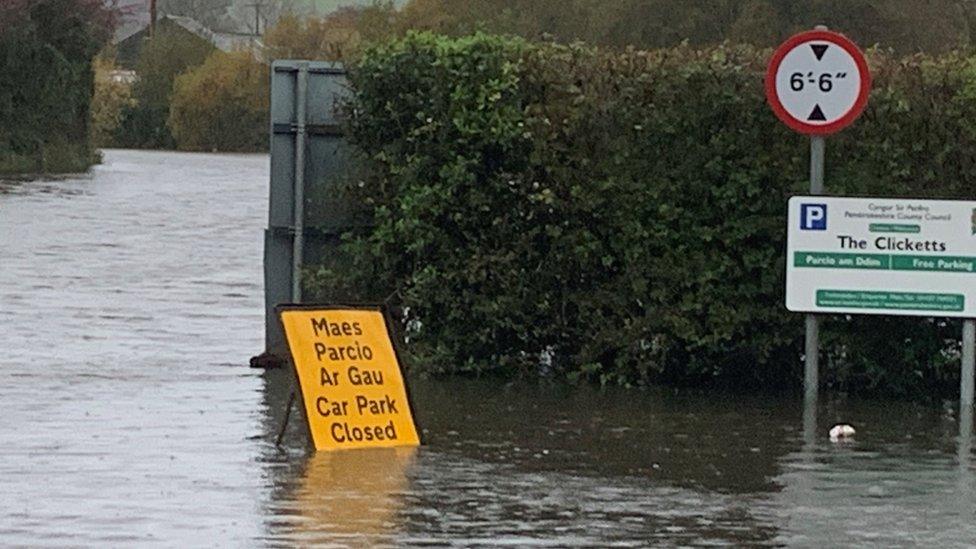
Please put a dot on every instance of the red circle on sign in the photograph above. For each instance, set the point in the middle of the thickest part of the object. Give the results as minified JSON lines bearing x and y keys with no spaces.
{"x":802,"y":126}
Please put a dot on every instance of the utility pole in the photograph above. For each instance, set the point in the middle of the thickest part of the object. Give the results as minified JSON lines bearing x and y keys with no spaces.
{"x":152,"y":18}
{"x":257,"y":17}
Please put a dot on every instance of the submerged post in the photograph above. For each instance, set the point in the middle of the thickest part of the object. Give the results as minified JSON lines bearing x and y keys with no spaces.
{"x":965,"y":449}
{"x":811,"y":363}
{"x":968,"y":363}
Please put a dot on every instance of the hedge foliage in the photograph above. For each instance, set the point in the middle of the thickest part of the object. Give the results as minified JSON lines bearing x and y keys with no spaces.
{"x":620,"y":217}
{"x":46,"y":50}
{"x":908,"y":26}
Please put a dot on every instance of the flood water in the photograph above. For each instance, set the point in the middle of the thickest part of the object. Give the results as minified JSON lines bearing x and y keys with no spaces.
{"x":131,"y":300}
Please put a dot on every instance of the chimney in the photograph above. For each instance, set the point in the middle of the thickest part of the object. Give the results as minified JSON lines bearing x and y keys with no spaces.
{"x":152,"y":18}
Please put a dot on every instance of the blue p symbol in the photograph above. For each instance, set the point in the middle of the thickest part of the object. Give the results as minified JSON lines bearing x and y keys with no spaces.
{"x":813,"y":217}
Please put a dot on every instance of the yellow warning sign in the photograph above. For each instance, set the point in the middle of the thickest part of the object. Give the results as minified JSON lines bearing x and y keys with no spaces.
{"x":350,"y":377}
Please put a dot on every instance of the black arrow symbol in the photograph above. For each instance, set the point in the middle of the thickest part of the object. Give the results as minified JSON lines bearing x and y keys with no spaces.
{"x":817,"y":114}
{"x":819,"y":50}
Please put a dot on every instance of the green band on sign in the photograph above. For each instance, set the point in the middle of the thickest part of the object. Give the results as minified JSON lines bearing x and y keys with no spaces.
{"x":931,"y":263}
{"x":905,"y":301}
{"x":934,"y":263}
{"x":826,"y":260}
{"x":894,"y":228}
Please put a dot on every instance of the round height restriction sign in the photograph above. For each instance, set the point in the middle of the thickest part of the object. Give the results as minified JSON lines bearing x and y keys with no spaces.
{"x":818,"y":82}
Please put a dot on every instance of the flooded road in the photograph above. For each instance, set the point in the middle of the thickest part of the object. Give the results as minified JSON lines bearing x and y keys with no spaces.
{"x":130,"y":301}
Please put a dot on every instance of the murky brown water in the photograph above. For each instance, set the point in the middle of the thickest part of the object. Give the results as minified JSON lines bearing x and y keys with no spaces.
{"x":130,"y":301}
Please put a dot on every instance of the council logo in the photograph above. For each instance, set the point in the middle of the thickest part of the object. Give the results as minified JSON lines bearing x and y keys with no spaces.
{"x":813,"y":217}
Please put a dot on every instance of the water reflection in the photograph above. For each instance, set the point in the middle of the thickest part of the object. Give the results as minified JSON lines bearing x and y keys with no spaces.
{"x":349,"y":497}
{"x":965,"y":458}
{"x":527,"y":464}
{"x":965,"y":440}
{"x":345,"y":497}
{"x":73,"y":185}
{"x":896,"y":483}
{"x":715,"y":441}
{"x":520,"y":464}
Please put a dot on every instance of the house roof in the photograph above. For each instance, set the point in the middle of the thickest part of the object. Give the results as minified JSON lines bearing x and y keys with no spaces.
{"x":225,"y":41}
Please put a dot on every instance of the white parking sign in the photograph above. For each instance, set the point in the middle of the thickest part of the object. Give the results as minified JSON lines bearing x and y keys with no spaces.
{"x":881,"y":256}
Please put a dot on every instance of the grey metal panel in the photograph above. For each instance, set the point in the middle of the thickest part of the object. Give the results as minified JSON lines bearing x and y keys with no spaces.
{"x":326,"y":165}
{"x":282,"y":94}
{"x":328,"y":170}
{"x":277,"y":286}
{"x":281,"y":206}
{"x":326,"y":94}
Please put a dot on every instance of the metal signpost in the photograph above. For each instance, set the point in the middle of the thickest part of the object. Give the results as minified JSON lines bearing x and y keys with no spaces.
{"x":817,"y":84}
{"x":968,"y":354}
{"x":885,"y":256}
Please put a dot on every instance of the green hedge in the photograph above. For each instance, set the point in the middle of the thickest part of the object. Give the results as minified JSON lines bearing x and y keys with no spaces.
{"x":562,"y":211}
{"x":46,"y":81}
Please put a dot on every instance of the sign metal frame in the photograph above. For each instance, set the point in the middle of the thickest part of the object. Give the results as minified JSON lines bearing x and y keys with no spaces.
{"x":816,"y":134}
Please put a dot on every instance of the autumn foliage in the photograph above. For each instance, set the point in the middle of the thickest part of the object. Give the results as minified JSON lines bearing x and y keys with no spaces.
{"x":222,"y":104}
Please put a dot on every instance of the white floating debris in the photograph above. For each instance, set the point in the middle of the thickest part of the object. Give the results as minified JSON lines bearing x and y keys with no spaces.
{"x":841,"y":431}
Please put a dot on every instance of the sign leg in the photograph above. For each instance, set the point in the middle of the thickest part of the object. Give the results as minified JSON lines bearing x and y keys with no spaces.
{"x":968,"y":363}
{"x":811,"y":363}
{"x":809,"y":423}
{"x":965,"y":450}
{"x":284,"y":424}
